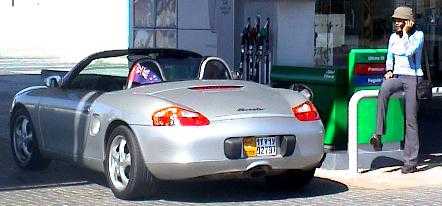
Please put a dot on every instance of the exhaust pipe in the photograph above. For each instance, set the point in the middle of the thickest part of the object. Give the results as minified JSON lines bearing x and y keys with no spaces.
{"x":258,"y":171}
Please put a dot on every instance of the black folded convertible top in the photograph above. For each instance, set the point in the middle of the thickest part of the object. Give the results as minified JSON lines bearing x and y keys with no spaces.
{"x":133,"y":54}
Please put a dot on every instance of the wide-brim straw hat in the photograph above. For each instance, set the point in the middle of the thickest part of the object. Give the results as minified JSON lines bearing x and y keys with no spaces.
{"x":403,"y":12}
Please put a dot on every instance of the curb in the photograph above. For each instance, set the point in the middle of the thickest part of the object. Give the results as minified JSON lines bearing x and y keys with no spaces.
{"x":387,"y":178}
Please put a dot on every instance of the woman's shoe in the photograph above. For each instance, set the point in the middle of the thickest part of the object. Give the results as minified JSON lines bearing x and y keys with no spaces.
{"x":408,"y":169}
{"x":376,"y":142}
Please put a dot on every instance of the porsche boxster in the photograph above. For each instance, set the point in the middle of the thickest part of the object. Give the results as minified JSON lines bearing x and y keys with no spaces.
{"x":141,"y":116}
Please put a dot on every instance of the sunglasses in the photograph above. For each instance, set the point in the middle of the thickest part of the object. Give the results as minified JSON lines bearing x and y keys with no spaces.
{"x":399,"y":20}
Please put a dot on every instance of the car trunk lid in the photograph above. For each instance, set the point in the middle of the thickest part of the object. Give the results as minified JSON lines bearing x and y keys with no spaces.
{"x":223,"y":99}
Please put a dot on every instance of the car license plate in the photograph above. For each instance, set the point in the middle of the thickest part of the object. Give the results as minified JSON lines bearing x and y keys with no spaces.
{"x":266,"y":146}
{"x":260,"y":146}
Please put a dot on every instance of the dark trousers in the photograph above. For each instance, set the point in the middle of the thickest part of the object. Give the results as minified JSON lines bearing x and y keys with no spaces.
{"x":408,"y":85}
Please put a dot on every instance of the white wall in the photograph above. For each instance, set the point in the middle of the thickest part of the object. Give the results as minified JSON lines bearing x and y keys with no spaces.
{"x":194,"y":14}
{"x":196,"y":29}
{"x":200,"y":41}
{"x":62,"y":28}
{"x":225,"y":30}
{"x":295,"y":36}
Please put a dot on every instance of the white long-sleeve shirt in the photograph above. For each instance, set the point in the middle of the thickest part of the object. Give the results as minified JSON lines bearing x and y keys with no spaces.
{"x":405,"y":54}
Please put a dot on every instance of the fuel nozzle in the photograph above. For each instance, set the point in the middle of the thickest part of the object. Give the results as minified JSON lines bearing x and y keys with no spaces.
{"x":258,"y":23}
{"x":245,"y":33}
{"x":266,"y":33}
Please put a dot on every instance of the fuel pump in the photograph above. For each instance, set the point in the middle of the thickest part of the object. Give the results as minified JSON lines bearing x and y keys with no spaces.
{"x":256,"y":51}
{"x":259,"y":50}
{"x":243,"y":65}
{"x":268,"y":51}
{"x":249,"y":54}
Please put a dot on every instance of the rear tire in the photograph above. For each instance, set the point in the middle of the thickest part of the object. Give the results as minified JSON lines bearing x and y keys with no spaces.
{"x":125,"y":169}
{"x":24,"y":144}
{"x":291,"y":179}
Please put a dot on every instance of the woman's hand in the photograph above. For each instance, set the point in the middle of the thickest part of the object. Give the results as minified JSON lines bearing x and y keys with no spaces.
{"x":408,"y":26}
{"x":388,"y":75}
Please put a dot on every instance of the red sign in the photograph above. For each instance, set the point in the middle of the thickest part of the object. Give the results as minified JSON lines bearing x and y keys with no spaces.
{"x":374,"y":68}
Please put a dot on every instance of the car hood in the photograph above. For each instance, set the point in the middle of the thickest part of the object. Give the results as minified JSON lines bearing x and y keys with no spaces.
{"x":226,"y":99}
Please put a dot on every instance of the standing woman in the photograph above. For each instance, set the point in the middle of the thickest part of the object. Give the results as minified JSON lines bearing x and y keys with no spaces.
{"x":403,"y":71}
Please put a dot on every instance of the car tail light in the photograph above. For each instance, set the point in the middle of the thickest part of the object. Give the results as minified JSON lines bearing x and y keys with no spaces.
{"x":306,"y":112}
{"x":173,"y":116}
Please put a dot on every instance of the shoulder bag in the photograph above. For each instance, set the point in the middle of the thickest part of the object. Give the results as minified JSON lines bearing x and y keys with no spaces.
{"x":424,"y":86}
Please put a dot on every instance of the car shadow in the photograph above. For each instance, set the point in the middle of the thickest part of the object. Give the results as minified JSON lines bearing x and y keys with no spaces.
{"x":242,"y":190}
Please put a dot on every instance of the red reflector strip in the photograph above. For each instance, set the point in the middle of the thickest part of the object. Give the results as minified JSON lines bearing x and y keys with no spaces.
{"x":374,"y":68}
{"x":215,"y":87}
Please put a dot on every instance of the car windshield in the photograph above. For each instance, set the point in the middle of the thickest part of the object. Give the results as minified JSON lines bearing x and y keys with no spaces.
{"x":102,"y":74}
{"x":110,"y":66}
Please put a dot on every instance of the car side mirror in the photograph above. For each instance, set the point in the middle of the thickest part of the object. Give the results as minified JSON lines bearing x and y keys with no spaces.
{"x":236,"y":75}
{"x":303,"y":90}
{"x":53,"y":81}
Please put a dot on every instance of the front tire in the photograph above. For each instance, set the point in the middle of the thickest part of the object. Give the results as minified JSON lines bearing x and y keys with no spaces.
{"x":124,"y":166}
{"x":24,"y":144}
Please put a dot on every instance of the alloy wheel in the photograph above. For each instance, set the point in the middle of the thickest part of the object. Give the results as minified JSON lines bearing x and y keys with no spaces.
{"x":119,"y":162}
{"x":23,"y":139}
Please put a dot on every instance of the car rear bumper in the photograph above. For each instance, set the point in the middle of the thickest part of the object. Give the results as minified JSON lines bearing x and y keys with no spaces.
{"x":176,"y":171}
{"x":173,"y":153}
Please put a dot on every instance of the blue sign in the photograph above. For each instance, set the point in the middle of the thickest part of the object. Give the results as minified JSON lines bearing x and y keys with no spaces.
{"x":365,"y":80}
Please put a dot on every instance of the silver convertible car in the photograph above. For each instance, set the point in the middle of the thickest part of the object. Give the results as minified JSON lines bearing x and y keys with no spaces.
{"x":141,"y":116}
